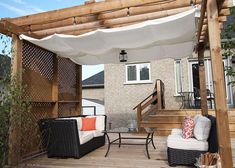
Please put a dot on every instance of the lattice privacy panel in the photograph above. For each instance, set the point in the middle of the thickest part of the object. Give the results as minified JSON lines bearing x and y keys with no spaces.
{"x":66,"y":79}
{"x":31,"y":137}
{"x":38,"y":72}
{"x":37,"y":76}
{"x":67,"y":109}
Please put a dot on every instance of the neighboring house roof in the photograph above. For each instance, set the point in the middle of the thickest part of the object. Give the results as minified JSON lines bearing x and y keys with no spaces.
{"x":5,"y":65}
{"x":94,"y":81}
{"x":95,"y":101}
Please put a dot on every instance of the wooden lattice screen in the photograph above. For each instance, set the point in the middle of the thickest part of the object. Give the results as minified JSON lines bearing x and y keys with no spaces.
{"x":43,"y":70}
{"x":67,"y":86}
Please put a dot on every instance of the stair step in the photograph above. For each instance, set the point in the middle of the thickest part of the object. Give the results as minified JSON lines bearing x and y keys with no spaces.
{"x":165,"y":119}
{"x":160,"y":125}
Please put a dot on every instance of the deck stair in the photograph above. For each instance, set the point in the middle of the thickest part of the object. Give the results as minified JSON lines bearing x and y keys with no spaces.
{"x":151,"y":113}
{"x":165,"y":120}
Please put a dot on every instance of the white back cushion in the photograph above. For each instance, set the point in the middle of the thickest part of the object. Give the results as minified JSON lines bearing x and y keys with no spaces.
{"x":202,"y":128}
{"x":100,"y":122}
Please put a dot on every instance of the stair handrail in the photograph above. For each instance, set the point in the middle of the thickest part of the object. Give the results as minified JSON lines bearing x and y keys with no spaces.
{"x":152,"y":94}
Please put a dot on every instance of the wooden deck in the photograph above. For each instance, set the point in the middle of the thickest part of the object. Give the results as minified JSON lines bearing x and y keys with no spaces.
{"x":124,"y":157}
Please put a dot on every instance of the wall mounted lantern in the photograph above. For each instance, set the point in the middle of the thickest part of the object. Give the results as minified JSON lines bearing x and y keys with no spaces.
{"x":123,"y":56}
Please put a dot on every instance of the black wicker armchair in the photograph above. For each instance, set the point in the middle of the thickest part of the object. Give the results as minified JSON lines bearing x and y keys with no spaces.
{"x":188,"y":157}
{"x":61,"y":138}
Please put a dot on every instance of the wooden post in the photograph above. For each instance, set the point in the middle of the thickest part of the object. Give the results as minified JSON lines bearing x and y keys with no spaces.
{"x":14,"y":154}
{"x":79,"y":89}
{"x":219,"y":89}
{"x":159,"y":97}
{"x":55,"y":87}
{"x":202,"y":79}
{"x":139,"y":118}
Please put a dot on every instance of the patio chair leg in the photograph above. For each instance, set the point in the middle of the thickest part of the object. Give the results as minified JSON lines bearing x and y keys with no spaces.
{"x":152,"y":141}
{"x":119,"y":137}
{"x":146,"y":145}
{"x":108,"y":144}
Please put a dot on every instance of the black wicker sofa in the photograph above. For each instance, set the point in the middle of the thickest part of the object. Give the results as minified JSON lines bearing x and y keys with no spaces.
{"x":60,"y":137}
{"x":188,"y":157}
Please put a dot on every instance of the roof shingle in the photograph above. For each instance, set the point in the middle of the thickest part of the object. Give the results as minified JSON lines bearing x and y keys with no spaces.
{"x":96,"y":80}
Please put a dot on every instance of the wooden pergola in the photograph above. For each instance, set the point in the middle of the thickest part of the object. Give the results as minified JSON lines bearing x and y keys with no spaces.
{"x":117,"y":13}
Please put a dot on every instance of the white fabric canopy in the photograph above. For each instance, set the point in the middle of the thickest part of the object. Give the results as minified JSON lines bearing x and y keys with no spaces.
{"x":169,"y":37}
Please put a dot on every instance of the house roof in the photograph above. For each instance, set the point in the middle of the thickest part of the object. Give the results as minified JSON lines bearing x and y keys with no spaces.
{"x":5,"y":65}
{"x":94,"y":81}
{"x":95,"y":101}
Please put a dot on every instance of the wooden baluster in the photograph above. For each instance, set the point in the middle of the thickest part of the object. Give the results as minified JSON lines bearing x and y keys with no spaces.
{"x":139,"y":117}
{"x":159,"y":98}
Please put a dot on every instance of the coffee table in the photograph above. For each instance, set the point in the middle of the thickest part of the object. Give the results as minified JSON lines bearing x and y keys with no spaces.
{"x":123,"y":130}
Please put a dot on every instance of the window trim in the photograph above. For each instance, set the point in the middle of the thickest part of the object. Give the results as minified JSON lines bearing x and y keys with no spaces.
{"x":138,"y":81}
{"x":180,"y":77}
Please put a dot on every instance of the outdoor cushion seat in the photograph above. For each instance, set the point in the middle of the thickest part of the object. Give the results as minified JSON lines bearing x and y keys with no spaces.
{"x":85,"y":136}
{"x":176,"y":131}
{"x":185,"y":151}
{"x":66,"y":140}
{"x":97,"y":133}
{"x":178,"y":142}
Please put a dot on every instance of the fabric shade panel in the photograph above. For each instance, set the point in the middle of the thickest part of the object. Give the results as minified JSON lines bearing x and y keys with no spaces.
{"x":168,"y":37}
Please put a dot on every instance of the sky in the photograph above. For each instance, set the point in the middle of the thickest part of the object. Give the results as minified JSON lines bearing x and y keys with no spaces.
{"x":15,"y":8}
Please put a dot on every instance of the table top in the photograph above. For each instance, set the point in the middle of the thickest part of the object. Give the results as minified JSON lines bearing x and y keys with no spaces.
{"x":127,"y":130}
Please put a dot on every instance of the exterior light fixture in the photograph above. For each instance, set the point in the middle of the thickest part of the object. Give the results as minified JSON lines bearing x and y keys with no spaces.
{"x":123,"y":56}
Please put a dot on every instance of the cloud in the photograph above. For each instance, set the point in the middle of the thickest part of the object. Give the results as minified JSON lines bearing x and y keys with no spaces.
{"x":14,"y":9}
{"x":25,"y":10}
{"x":19,"y":1}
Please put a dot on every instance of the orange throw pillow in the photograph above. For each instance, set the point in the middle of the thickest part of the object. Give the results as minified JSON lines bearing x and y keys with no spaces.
{"x":88,"y":124}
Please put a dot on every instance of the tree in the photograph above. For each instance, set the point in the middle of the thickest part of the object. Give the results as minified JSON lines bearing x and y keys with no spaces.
{"x":228,"y":44}
{"x":14,"y":105}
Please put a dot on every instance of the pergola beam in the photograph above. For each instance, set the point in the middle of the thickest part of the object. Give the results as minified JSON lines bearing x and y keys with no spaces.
{"x":111,"y":22}
{"x":111,"y":15}
{"x":219,"y":88}
{"x":202,"y":16}
{"x":9,"y":28}
{"x":94,"y":8}
{"x":146,"y":9}
{"x":223,"y":10}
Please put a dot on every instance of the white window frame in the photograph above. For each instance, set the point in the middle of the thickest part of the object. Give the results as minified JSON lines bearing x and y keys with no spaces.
{"x":178,"y":76}
{"x":138,"y":65}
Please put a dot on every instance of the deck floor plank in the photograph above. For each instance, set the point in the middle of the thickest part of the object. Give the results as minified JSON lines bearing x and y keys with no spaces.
{"x":125,"y":157}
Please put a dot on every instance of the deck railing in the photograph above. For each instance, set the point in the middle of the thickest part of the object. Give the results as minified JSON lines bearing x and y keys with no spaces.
{"x":151,"y":103}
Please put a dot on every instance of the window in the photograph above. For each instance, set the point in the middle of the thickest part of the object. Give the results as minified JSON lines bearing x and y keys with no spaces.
{"x":178,"y":79}
{"x":138,"y":73}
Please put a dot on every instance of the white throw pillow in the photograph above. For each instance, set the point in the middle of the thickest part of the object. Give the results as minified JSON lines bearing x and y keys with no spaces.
{"x":202,"y":128}
{"x":196,"y":117}
{"x":99,"y":122}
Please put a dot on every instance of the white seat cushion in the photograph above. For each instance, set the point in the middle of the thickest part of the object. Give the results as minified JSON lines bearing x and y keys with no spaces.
{"x":178,"y":142}
{"x":202,"y":127}
{"x":85,"y":136}
{"x":176,"y":131}
{"x":97,"y":133}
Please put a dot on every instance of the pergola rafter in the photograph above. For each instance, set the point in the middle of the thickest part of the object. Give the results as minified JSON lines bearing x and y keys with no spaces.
{"x":98,"y":16}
